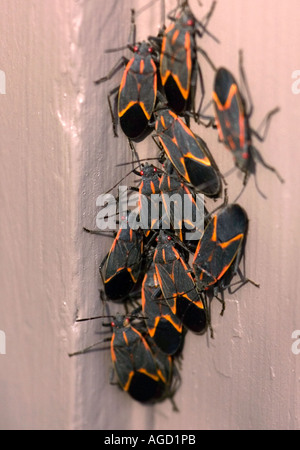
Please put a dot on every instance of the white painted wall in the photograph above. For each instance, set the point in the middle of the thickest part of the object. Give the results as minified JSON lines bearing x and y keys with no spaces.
{"x":58,"y":154}
{"x":40,"y":159}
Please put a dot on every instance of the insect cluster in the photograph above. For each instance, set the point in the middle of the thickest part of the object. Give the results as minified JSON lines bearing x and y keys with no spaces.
{"x":165,"y":266}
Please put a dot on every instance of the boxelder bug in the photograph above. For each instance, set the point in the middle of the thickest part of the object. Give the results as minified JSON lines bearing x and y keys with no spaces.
{"x":220,"y":249}
{"x":186,"y":213}
{"x":137,"y":92}
{"x":178,"y":59}
{"x":149,"y":211}
{"x":141,"y":369}
{"x":232,"y":121}
{"x":134,"y":363}
{"x":177,"y":285}
{"x":121,"y":267}
{"x":163,"y":326}
{"x":188,"y":153}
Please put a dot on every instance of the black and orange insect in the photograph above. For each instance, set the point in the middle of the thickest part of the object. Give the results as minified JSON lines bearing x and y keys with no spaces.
{"x":177,"y":285}
{"x":179,"y":66}
{"x":136,"y":94}
{"x":134,"y":363}
{"x":188,"y":153}
{"x":141,"y":369}
{"x":122,"y":266}
{"x":163,"y":326}
{"x":232,"y":121}
{"x":149,"y":198}
{"x":219,"y":251}
{"x":183,"y":208}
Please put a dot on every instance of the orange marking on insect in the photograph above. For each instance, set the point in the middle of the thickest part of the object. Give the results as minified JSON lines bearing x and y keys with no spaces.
{"x":130,"y":104}
{"x":232,"y":92}
{"x":214,"y":235}
{"x":107,"y":280}
{"x":174,"y":37}
{"x":134,"y":279}
{"x":173,"y":115}
{"x":142,"y":66}
{"x":242,"y":130}
{"x":184,"y":91}
{"x":187,"y":45}
{"x":123,"y":81}
{"x":174,"y":140}
{"x":151,"y":375}
{"x":115,"y":242}
{"x":223,"y":271}
{"x":125,"y":337}
{"x":231,"y":143}
{"x":169,"y":183}
{"x":165,"y":76}
{"x":177,"y":326}
{"x":159,"y":372}
{"x":199,"y":304}
{"x":184,"y":172}
{"x":113,"y":354}
{"x":204,"y":160}
{"x":152,"y":185}
{"x":224,"y":245}
{"x":164,"y":255}
{"x":130,"y":376}
{"x":162,"y":120}
{"x":185,"y":127}
{"x":176,"y":254}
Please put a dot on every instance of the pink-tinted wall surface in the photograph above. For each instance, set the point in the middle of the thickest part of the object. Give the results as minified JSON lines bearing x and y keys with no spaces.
{"x":58,"y":154}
